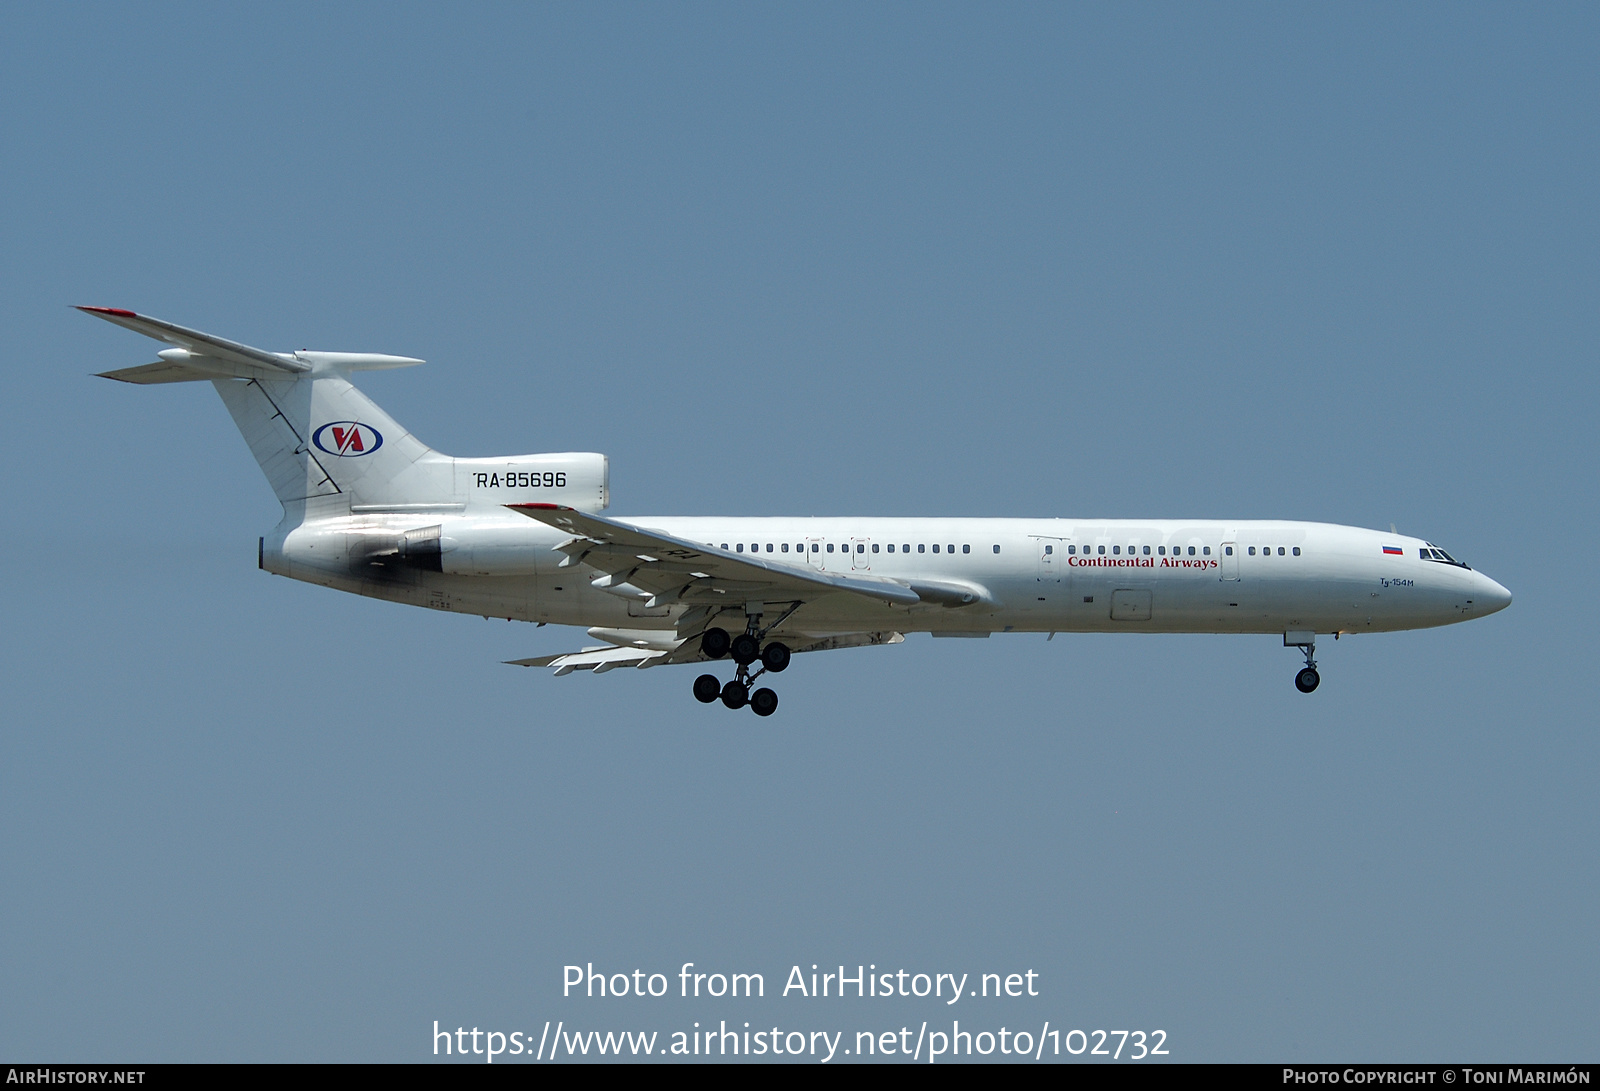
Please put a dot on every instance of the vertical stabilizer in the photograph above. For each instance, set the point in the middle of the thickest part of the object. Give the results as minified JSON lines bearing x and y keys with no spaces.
{"x":283,"y":452}
{"x":321,"y":441}
{"x":317,"y":435}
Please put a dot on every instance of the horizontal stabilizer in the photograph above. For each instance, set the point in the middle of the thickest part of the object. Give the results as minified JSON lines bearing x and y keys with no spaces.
{"x":199,"y":355}
{"x":161,"y":372}
{"x":200,"y":344}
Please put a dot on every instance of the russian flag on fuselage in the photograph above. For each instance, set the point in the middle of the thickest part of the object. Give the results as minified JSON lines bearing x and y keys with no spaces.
{"x":1395,"y":550}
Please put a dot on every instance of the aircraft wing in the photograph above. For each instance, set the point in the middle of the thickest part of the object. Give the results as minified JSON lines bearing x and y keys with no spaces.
{"x":661,"y":568}
{"x":605,"y":658}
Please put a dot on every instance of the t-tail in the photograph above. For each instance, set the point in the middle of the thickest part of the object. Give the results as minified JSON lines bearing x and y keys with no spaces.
{"x":328,"y":451}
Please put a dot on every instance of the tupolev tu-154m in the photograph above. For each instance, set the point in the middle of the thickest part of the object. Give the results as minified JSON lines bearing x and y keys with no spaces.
{"x":368,"y":508}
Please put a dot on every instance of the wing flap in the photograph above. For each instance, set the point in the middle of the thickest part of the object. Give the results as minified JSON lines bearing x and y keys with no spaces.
{"x":598,"y":660}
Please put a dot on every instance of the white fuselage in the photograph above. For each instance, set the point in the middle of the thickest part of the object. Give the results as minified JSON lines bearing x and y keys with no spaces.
{"x":1029,"y":575}
{"x":370,"y":508}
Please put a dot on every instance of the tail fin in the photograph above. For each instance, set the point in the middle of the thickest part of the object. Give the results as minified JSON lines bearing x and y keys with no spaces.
{"x":311,"y":431}
{"x":319,"y":436}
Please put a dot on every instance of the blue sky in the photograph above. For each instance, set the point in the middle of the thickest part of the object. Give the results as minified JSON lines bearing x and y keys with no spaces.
{"x":1243,"y":261}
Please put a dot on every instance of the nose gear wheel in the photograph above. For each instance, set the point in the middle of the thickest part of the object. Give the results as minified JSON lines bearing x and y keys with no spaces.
{"x":1307,"y":679}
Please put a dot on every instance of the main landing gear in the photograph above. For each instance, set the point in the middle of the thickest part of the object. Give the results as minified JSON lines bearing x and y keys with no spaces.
{"x":744,"y":649}
{"x":1307,"y":678}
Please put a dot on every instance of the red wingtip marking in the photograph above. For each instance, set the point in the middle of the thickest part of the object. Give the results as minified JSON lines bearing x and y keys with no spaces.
{"x":118,"y":311}
{"x":540,"y":507}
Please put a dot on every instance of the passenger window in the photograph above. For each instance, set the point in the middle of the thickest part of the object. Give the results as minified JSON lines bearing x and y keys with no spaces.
{"x":1147,"y":551}
{"x":741,"y":547}
{"x":891,"y":547}
{"x":830,"y":547}
{"x":997,"y":548}
{"x":1297,"y":551}
{"x":1070,"y":549}
{"x":769,"y":547}
{"x":1116,"y":549}
{"x":949,"y":549}
{"x":1161,"y":550}
{"x":966,"y":549}
{"x":1280,"y":551}
{"x":1207,"y":550}
{"x":724,"y":545}
{"x":874,"y":547}
{"x":1049,"y":550}
{"x":921,"y":548}
{"x":1191,"y":551}
{"x":1252,"y":551}
{"x":785,"y":547}
{"x":936,"y":547}
{"x":905,"y":547}
{"x":1102,"y":550}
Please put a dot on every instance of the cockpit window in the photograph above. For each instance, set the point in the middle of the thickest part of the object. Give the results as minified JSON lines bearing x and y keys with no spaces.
{"x":1433,"y":553}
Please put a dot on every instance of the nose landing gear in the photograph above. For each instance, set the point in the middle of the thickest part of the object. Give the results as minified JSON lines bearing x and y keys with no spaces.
{"x":1307,"y":678}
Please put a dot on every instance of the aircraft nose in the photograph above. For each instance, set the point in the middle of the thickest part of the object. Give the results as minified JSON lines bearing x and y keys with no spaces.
{"x":1490,"y":595}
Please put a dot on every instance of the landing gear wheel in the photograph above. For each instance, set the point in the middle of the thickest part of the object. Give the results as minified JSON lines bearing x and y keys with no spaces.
{"x":714,"y":643}
{"x":745,"y":649}
{"x":763,"y":702}
{"x":1307,"y":679}
{"x":737,"y":695}
{"x":775,"y":657}
{"x":707,"y":688}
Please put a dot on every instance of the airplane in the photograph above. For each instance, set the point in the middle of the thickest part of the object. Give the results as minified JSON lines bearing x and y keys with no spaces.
{"x":369,"y":509}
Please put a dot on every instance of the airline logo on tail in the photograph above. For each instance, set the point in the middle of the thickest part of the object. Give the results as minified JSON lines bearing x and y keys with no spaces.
{"x":347,"y":439}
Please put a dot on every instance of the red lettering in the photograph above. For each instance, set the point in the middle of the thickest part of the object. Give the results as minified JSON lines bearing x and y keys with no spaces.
{"x":347,"y":441}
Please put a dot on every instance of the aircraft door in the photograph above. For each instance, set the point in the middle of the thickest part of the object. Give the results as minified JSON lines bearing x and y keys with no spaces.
{"x":814,"y":547}
{"x":861,"y":554}
{"x":1052,"y":559}
{"x":1230,"y":560}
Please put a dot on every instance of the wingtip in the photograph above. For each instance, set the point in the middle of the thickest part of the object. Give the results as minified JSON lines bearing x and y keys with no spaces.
{"x":539,"y":507}
{"x":118,"y":311}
